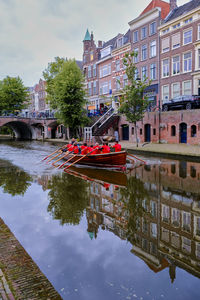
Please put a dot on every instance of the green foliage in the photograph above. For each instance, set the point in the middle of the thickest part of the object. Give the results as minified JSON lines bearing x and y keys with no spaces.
{"x":65,"y":88}
{"x":68,"y":198}
{"x":134,"y":103}
{"x":13,"y":94}
{"x":13,"y":180}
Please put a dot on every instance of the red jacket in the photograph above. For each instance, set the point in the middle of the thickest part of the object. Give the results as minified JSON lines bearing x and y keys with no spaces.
{"x":84,"y":150}
{"x":117,"y":147}
{"x":106,"y":149}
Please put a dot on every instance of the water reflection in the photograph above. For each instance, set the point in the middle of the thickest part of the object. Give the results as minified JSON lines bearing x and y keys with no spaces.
{"x":68,"y":197}
{"x":13,"y":180}
{"x":158,"y":212}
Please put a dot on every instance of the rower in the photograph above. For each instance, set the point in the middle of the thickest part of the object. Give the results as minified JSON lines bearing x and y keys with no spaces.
{"x":76,"y":148}
{"x":117,"y":147}
{"x":89,"y":148}
{"x":97,"y":149}
{"x":84,"y":149}
{"x":106,"y":148}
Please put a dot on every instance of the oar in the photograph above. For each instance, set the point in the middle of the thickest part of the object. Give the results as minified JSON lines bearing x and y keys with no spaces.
{"x":79,"y":159}
{"x":66,"y":154}
{"x":137,"y":158}
{"x":67,"y":161}
{"x":54,"y":152}
{"x":55,"y":156}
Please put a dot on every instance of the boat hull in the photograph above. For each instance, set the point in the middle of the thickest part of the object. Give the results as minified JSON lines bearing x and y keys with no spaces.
{"x":112,"y":159}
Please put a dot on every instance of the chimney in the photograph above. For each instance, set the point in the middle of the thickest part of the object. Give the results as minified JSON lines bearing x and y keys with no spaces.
{"x":173,"y":4}
{"x":100,"y":44}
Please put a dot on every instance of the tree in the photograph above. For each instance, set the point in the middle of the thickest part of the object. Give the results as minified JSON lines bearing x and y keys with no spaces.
{"x":13,"y":94}
{"x":66,"y":94}
{"x":134,"y":102}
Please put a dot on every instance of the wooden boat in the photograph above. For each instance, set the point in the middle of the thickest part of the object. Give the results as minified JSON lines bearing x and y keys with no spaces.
{"x":105,"y":160}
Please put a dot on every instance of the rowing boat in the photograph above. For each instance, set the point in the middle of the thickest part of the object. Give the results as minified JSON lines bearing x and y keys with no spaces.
{"x":105,"y":160}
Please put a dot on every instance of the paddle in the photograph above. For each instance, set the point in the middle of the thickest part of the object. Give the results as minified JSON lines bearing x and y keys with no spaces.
{"x":67,"y":161}
{"x":53,"y":153}
{"x":79,"y":159}
{"x":137,"y":158}
{"x":55,"y":156}
{"x":66,"y":154}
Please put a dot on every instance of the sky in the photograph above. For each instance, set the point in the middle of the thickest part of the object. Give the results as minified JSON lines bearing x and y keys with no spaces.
{"x":34,"y":32}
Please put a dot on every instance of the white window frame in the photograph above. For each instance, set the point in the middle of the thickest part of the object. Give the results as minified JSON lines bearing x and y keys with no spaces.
{"x":198,"y":32}
{"x":150,"y":26}
{"x":184,"y":90}
{"x":143,"y":32}
{"x":137,"y":35}
{"x":184,"y":32}
{"x":167,"y":94}
{"x":173,"y":91}
{"x":188,"y":70}
{"x":144,"y":73}
{"x":177,"y":66}
{"x":152,"y":48}
{"x":144,"y":50}
{"x":164,"y":73}
{"x":136,"y":59}
{"x":153,"y":71}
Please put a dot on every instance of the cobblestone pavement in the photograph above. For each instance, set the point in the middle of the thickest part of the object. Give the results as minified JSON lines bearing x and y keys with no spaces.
{"x":20,"y":278}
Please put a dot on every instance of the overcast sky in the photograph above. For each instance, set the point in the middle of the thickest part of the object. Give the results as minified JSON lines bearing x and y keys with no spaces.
{"x":33,"y":32}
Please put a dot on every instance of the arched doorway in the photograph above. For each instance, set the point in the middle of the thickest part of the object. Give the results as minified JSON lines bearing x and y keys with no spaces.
{"x":147,"y":133}
{"x":125,"y":132}
{"x":183,"y":133}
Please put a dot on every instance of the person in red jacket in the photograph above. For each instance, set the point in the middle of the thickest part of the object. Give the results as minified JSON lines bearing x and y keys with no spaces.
{"x":117,"y":147}
{"x":84,"y":149}
{"x":76,"y":148}
{"x":89,"y":149}
{"x":106,"y":148}
{"x":97,"y":149}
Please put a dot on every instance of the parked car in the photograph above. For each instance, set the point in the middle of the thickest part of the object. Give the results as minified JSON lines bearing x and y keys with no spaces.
{"x":182,"y":102}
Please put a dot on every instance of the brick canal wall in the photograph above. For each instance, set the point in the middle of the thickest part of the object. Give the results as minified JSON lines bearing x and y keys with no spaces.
{"x":20,"y":278}
{"x":181,"y":126}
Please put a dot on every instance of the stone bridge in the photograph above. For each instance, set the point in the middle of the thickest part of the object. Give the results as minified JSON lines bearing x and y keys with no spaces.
{"x":30,"y":128}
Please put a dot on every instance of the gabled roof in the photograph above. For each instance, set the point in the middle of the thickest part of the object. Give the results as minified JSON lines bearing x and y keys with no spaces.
{"x":112,"y":41}
{"x":87,"y":36}
{"x":165,"y":7}
{"x":183,"y":9}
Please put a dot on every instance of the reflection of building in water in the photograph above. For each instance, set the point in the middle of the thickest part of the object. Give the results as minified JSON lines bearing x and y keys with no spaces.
{"x":168,"y":232}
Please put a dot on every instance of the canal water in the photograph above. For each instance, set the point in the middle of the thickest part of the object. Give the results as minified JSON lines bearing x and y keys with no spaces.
{"x":105,"y":235}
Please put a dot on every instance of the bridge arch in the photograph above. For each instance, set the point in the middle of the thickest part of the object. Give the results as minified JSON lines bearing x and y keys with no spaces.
{"x":21,"y":129}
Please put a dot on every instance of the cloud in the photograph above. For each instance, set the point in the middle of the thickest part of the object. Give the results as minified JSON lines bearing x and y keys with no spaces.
{"x":33,"y":32}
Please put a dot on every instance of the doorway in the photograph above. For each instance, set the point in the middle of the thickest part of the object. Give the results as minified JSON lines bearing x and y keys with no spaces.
{"x":147,"y":133}
{"x":125,"y":132}
{"x":183,"y":133}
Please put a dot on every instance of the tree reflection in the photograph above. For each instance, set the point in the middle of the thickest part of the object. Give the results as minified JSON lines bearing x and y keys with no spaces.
{"x":68,"y":198}
{"x":13,"y":180}
{"x":133,"y":198}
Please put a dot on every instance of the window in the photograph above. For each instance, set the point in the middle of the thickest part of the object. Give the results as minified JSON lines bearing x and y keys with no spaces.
{"x":165,"y":68}
{"x":90,"y":88}
{"x":136,"y":74}
{"x":198,"y":58}
{"x":152,"y":28}
{"x":94,"y":88}
{"x":117,"y":64}
{"x":176,"y":65}
{"x":153,"y":71}
{"x":176,"y":40}
{"x":186,"y":221}
{"x":154,"y":230}
{"x":118,"y":83}
{"x":197,"y":226}
{"x":153,"y":209}
{"x":135,"y":36}
{"x":120,"y":42}
{"x":173,"y":130}
{"x":175,"y":89}
{"x":165,"y":45}
{"x":188,"y":20}
{"x":193,"y":172}
{"x":187,"y":37}
{"x":105,"y":87}
{"x":91,"y":55}
{"x":144,"y":72}
{"x":153,"y":49}
{"x":175,"y":217}
{"x":165,"y":93}
{"x":89,"y":72}
{"x":193,"y":131}
{"x":143,"y":32}
{"x":186,"y":244}
{"x":105,"y":70}
{"x":94,"y":70}
{"x":154,"y":131}
{"x":144,"y":52}
{"x":187,"y":62}
{"x":165,"y":213}
{"x":136,"y":58}
{"x":187,"y":87}
{"x":105,"y":52}
{"x":165,"y":30}
{"x":198,"y":32}
{"x":125,"y":80}
{"x":176,"y":25}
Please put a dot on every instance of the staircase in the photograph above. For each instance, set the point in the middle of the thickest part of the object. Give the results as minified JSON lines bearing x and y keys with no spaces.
{"x":94,"y":133}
